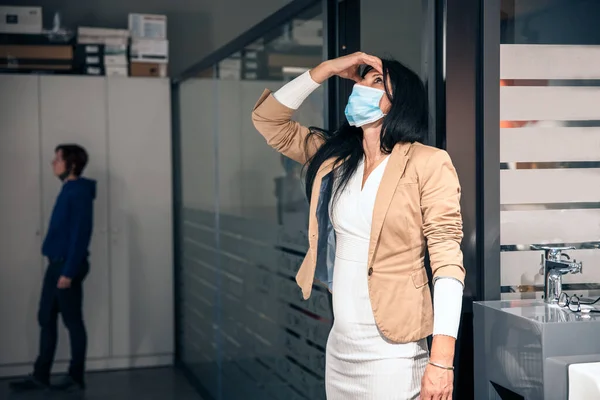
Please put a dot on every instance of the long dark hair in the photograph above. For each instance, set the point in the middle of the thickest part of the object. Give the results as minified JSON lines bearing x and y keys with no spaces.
{"x":406,"y":121}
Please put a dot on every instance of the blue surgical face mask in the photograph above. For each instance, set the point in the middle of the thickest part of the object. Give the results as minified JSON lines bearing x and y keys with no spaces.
{"x":363,"y":105}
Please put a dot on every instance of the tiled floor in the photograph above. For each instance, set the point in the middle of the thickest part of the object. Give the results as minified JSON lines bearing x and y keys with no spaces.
{"x":141,"y":384}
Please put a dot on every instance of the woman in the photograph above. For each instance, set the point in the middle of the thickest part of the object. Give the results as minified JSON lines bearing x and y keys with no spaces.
{"x":377,"y":198}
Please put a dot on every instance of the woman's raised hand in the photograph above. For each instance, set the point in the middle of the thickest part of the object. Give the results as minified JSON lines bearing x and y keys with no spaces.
{"x":346,"y":67}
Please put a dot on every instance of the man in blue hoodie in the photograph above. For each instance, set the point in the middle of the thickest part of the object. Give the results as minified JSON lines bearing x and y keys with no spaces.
{"x":66,"y":248}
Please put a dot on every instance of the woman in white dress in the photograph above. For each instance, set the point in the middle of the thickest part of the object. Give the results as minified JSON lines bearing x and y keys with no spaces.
{"x":386,"y":199}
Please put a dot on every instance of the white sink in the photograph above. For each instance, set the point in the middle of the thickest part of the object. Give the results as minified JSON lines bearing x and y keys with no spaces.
{"x":584,"y":381}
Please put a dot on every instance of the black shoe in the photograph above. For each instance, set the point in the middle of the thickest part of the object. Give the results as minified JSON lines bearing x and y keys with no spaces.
{"x":29,"y":383}
{"x":68,"y":384}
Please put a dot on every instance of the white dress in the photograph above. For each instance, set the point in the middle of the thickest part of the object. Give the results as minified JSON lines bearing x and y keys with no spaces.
{"x":360,"y":363}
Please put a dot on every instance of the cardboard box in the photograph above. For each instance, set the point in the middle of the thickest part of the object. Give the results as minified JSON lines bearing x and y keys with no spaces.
{"x":25,"y":67}
{"x":20,"y":20}
{"x":230,"y":75}
{"x":307,"y":32}
{"x":102,"y":32}
{"x":150,"y":51}
{"x":105,"y":40}
{"x":101,"y":54}
{"x":148,"y":26}
{"x":112,"y":38}
{"x":117,"y":71}
{"x":116,"y":61}
{"x":144,"y":69}
{"x":116,"y":50}
{"x":34,"y":52}
{"x":230,"y":68}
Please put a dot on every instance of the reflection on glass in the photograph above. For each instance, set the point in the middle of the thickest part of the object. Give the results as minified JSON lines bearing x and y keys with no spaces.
{"x":197,"y":294}
{"x":246,"y":332}
{"x":550,"y":130}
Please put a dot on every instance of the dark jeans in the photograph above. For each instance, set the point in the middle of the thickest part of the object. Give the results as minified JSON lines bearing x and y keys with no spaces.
{"x":69,"y":303}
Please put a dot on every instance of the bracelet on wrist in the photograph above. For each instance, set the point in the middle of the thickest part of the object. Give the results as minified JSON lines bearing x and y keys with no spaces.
{"x":451,"y":368}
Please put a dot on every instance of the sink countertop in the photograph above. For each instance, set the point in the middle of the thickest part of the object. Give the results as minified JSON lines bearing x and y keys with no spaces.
{"x":515,"y":339}
{"x":540,"y":312}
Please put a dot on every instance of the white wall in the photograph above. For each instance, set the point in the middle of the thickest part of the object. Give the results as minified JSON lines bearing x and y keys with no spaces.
{"x":195,"y":27}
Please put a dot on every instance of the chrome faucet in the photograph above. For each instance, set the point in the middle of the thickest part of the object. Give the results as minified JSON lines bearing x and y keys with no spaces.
{"x":554,"y":265}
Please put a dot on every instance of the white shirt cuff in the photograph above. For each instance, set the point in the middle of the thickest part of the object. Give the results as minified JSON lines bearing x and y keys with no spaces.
{"x":293,"y":93}
{"x":447,"y":306}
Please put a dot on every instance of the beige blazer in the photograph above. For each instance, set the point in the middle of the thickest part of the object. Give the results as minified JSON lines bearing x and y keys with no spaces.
{"x":417,"y":205}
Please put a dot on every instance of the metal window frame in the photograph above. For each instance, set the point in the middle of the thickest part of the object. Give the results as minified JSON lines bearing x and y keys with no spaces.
{"x":473,"y":133}
{"x":347,"y":41}
{"x":489,"y":151}
{"x":177,"y":190}
{"x":432,"y":68}
{"x":472,"y":138}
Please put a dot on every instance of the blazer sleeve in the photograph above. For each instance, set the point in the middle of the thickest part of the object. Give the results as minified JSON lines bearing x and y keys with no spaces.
{"x":274,"y":122}
{"x":442,"y":220}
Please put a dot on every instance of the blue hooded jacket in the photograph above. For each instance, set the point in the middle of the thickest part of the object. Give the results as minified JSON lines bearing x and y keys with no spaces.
{"x":70,"y":229}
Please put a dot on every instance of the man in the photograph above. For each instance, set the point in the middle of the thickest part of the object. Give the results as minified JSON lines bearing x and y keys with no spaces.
{"x":66,"y":248}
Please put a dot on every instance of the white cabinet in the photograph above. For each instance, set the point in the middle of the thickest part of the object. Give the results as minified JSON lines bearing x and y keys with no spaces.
{"x":124,"y":124}
{"x":140,"y":213}
{"x":20,"y":218}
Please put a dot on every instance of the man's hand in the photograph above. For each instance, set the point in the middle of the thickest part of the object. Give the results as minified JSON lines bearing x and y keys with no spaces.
{"x":64,"y":282}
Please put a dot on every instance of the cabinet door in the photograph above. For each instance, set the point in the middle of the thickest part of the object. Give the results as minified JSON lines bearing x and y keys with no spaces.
{"x":140,"y":210}
{"x":20,"y":219}
{"x":73,"y":110}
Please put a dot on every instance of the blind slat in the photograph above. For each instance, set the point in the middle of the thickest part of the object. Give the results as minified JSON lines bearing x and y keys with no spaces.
{"x":544,"y":186}
{"x":552,"y":103}
{"x":554,"y":226}
{"x":549,"y":62}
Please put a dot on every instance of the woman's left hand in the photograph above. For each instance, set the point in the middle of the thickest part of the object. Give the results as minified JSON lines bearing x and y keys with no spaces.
{"x":437,"y":383}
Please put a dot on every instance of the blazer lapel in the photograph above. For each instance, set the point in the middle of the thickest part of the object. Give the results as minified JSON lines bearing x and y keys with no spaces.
{"x":326,"y":168}
{"x":393,"y":172}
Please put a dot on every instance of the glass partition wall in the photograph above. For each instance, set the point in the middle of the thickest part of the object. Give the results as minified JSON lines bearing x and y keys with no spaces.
{"x":244,"y":331}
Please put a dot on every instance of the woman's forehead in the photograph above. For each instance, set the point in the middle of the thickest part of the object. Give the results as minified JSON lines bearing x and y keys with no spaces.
{"x":369,"y":72}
